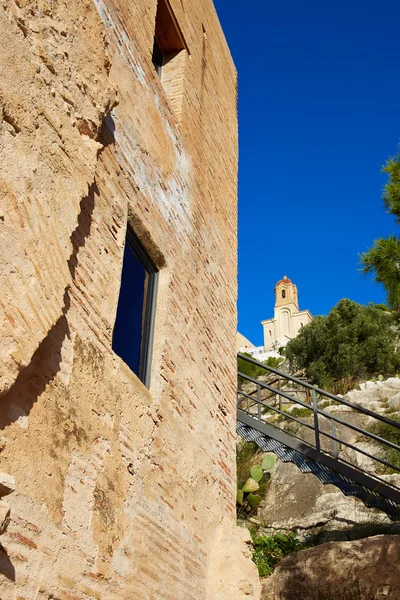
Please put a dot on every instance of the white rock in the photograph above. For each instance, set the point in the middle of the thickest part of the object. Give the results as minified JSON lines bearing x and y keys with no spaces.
{"x":394,"y":401}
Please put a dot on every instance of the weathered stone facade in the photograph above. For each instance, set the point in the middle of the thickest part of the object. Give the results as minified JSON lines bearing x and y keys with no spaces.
{"x":121,"y":492}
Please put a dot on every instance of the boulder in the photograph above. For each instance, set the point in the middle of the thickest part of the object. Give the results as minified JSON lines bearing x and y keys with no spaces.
{"x":299,"y":502}
{"x":367,"y":569}
{"x":371,"y":393}
{"x":394,"y":402}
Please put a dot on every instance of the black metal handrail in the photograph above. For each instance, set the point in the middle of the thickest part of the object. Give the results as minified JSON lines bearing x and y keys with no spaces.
{"x":258,"y":408}
{"x":318,"y":390}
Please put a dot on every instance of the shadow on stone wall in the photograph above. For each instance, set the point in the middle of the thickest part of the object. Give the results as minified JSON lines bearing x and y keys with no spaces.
{"x":6,"y":567}
{"x":46,"y":361}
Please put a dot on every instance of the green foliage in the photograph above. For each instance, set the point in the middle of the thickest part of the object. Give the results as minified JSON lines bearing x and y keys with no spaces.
{"x":253,"y":370}
{"x":391,"y":194}
{"x":254,"y":500}
{"x":274,"y":361}
{"x":248,"y":368}
{"x":383,"y":307}
{"x":298,"y":411}
{"x":383,"y":262}
{"x":250,"y":486}
{"x":383,"y":259}
{"x":256,"y":473}
{"x":301,"y":412}
{"x":391,"y":434}
{"x":268,"y":462}
{"x":246,"y":499}
{"x":353,"y":340}
{"x":245,"y":451}
{"x":268,"y":551}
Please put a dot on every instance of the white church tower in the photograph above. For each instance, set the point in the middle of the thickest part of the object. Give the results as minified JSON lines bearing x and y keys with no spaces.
{"x":288,"y":319}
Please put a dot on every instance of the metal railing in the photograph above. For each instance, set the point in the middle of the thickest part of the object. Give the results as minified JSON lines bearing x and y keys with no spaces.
{"x":326,"y":433}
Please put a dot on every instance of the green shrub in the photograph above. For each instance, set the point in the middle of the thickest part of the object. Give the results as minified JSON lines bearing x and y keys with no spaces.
{"x":268,"y":551}
{"x":248,"y":368}
{"x":299,"y":412}
{"x":245,"y":451}
{"x":353,"y":340}
{"x":391,"y":434}
{"x":253,"y":370}
{"x":274,"y":361}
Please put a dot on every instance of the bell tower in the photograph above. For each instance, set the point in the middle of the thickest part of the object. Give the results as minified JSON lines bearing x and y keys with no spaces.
{"x":286,"y":293}
{"x":288,"y":319}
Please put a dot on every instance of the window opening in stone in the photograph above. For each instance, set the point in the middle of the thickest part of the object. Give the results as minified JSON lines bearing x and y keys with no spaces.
{"x":157,"y":58}
{"x":283,"y":293}
{"x":169,"y":55}
{"x":134,"y":323}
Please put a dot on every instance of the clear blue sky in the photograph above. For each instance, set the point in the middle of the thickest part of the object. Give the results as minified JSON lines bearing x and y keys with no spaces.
{"x":319,"y":113}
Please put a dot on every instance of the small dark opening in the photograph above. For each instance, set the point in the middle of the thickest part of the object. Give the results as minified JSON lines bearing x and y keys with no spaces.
{"x":283,"y":293}
{"x":168,"y":38}
{"x":134,"y":323}
{"x":158,"y":57}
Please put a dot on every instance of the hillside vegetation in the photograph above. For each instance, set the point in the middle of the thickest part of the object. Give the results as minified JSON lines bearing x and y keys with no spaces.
{"x":353,"y":340}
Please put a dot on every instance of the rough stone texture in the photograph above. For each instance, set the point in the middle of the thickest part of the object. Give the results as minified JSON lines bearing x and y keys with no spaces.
{"x":375,"y":393}
{"x":54,"y":93}
{"x":301,"y":503}
{"x":366,"y":569}
{"x":7,"y":484}
{"x":121,"y":492}
{"x":4,"y":516}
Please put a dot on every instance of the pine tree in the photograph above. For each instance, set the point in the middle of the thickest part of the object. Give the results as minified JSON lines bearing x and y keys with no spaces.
{"x":383,"y":259}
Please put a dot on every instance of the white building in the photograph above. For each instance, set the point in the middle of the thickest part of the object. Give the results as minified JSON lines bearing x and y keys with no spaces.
{"x":243,"y":344}
{"x":288,"y":319}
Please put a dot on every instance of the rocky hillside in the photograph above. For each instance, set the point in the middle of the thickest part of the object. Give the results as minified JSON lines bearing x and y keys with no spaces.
{"x":300,"y":502}
{"x":296,"y":502}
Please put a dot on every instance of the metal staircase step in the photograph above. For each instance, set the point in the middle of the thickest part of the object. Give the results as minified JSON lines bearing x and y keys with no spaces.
{"x":370,"y":497}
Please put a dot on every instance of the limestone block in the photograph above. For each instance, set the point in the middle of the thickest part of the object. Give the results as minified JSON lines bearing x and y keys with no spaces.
{"x":232,"y":575}
{"x":303,"y":504}
{"x":394,"y":401}
{"x":7,"y":484}
{"x":4,"y":516}
{"x":365,"y":569}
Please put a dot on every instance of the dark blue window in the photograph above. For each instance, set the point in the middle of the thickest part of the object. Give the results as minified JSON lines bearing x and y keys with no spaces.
{"x":134,"y":324}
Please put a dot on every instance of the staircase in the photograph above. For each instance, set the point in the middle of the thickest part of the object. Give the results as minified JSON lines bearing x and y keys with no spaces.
{"x":324,"y":446}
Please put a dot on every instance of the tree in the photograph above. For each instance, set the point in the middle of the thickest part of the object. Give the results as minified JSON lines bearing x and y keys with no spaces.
{"x":353,"y":340}
{"x":383,"y":259}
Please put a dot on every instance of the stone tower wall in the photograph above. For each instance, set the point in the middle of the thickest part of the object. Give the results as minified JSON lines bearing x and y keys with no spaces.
{"x":291,"y":295}
{"x":121,"y":492}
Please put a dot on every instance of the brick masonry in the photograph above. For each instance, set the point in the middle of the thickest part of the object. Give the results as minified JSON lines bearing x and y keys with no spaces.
{"x":121,"y":492}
